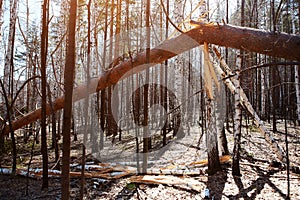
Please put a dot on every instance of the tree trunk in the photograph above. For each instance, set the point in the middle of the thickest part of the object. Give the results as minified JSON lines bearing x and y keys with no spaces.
{"x":13,"y":140}
{"x":244,"y":101}
{"x":44,"y":44}
{"x":297,"y":86}
{"x":146,"y":93}
{"x":1,"y":49}
{"x":67,"y":115}
{"x":1,"y":16}
{"x":9,"y":56}
{"x":255,"y":40}
{"x":86,"y":102}
{"x":112,"y":128}
{"x":211,"y":133}
{"x":164,"y":94}
{"x":238,"y":81}
{"x":237,"y":121}
{"x":211,"y":140}
{"x":263,"y":93}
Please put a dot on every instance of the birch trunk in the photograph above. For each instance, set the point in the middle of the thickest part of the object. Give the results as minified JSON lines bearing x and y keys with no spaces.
{"x":8,"y":62}
{"x":237,"y":121}
{"x":211,"y":133}
{"x":211,"y":140}
{"x":1,"y":23}
{"x":3,"y":99}
{"x":263,"y":92}
{"x":220,"y":100}
{"x":297,"y":92}
{"x":179,"y":71}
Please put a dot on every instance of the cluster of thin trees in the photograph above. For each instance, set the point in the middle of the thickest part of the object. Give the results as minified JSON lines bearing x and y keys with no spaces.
{"x":78,"y":41}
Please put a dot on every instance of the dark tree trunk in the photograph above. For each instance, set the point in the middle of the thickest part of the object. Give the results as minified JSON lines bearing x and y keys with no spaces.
{"x":67,"y":115}
{"x":44,"y":46}
{"x":12,"y":134}
{"x":224,"y":143}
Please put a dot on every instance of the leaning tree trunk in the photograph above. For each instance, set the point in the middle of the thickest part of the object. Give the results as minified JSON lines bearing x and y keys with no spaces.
{"x":13,"y":140}
{"x":245,"y":102}
{"x":279,"y":44}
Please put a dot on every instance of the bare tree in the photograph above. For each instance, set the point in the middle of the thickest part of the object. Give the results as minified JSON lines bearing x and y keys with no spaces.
{"x":8,"y":106}
{"x":44,"y":46}
{"x":67,"y":115}
{"x":146,"y":133}
{"x":9,"y":57}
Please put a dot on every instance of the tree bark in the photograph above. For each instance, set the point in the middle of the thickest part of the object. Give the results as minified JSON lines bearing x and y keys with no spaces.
{"x":67,"y":115}
{"x":44,"y":42}
{"x":244,"y":101}
{"x":211,"y":132}
{"x":9,"y":56}
{"x":279,"y":44}
{"x":253,"y":40}
{"x":297,"y":91}
{"x":86,"y":102}
{"x":211,"y":140}
{"x":237,"y":121}
{"x":146,"y":133}
{"x":13,"y":139}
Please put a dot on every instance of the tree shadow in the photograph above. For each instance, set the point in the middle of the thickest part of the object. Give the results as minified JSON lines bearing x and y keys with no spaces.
{"x":288,"y":134}
{"x":239,"y":183}
{"x":216,"y":184}
{"x":256,"y":186}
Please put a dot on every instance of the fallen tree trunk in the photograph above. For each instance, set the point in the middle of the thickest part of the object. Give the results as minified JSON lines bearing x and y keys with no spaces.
{"x":245,"y":102}
{"x":273,"y":44}
{"x":185,"y":183}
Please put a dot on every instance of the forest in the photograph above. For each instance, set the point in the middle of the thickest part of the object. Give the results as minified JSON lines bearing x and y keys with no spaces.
{"x":149,"y":99}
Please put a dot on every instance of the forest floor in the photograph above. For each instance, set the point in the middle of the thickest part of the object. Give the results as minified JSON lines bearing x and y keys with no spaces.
{"x":258,"y":180}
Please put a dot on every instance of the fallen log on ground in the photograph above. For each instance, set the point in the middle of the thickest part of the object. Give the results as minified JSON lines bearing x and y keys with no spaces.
{"x":254,"y":40}
{"x":186,"y":183}
{"x":116,"y":171}
{"x":112,"y":171}
{"x":38,"y":173}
